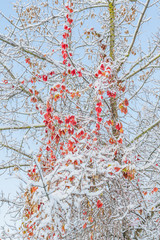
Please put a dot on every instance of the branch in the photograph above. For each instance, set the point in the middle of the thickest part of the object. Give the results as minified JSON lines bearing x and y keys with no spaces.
{"x":145,"y":66}
{"x":145,"y":131}
{"x":135,"y":34}
{"x":22,"y":88}
{"x":30,"y":25}
{"x":139,"y":88}
{"x":26,"y":49}
{"x":13,"y":166}
{"x":90,"y":7}
{"x":23,"y":127}
{"x":16,"y":150}
{"x":139,"y":61}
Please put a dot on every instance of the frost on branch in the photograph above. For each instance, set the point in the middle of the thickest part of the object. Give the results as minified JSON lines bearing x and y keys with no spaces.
{"x":88,"y":160}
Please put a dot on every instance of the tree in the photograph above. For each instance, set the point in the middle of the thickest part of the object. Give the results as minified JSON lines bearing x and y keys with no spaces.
{"x":80,"y":120}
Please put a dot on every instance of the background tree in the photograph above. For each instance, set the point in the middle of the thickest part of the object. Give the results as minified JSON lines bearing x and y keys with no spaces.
{"x":80,"y":120}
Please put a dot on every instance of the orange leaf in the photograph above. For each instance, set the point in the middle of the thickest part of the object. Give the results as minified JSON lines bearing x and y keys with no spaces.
{"x":33,"y":189}
{"x":90,"y":219}
{"x":120,"y":141}
{"x":155,"y":189}
{"x":112,"y":141}
{"x":145,"y":193}
{"x":126,"y":103}
{"x":121,"y":130}
{"x":117,"y":169}
{"x":85,"y":225}
{"x":63,"y":228}
{"x":99,"y":204}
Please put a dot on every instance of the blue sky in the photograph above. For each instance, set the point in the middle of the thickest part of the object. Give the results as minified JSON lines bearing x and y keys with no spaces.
{"x":6,"y":6}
